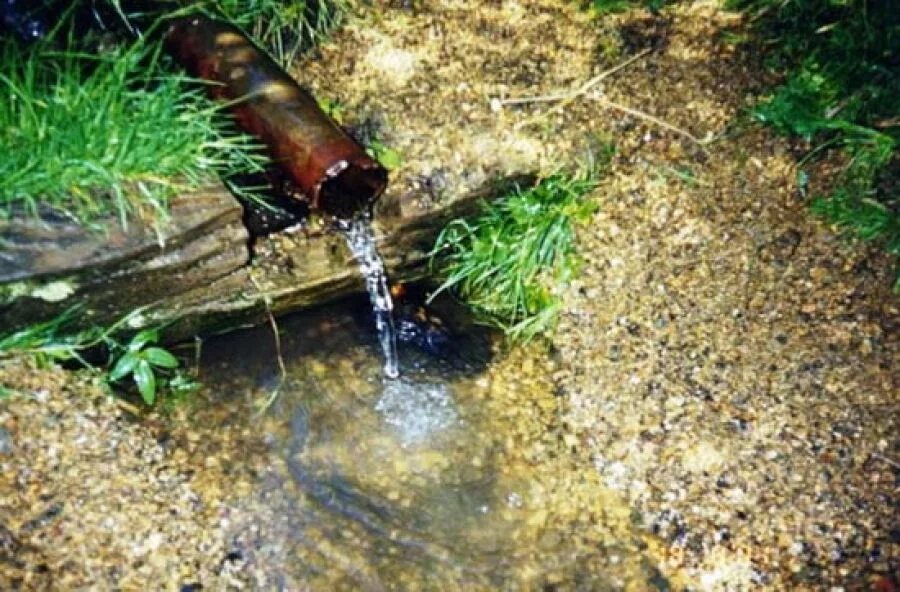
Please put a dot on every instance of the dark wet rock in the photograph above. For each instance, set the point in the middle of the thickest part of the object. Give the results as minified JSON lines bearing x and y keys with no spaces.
{"x":277,"y":204}
{"x":30,"y":20}
{"x":419,"y":327}
{"x":17,"y":17}
{"x":43,"y":519}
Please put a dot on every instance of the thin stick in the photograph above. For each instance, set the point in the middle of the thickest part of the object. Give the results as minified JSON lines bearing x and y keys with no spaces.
{"x":278,"y":355}
{"x":655,"y":120}
{"x":198,"y":353}
{"x":132,"y":409}
{"x":568,"y":97}
{"x":529,"y":100}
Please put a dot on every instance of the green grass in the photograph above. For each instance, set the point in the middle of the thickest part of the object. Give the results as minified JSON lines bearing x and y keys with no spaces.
{"x":116,"y":133}
{"x":510,"y":262}
{"x":53,"y":341}
{"x":601,"y":7}
{"x":123,"y":132}
{"x":285,"y":29}
{"x":840,"y":93}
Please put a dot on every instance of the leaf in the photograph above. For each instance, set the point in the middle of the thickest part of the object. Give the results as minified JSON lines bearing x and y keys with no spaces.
{"x":390,"y":158}
{"x":182,"y":383}
{"x":160,"y":357}
{"x":124,"y":366}
{"x":145,"y":381}
{"x":143,"y":338}
{"x":333,"y":108}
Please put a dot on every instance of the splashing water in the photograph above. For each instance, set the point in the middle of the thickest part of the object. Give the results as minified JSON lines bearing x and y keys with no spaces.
{"x":416,"y":410}
{"x":361,"y":241}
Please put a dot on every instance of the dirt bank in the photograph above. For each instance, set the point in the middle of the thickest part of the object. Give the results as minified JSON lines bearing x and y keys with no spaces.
{"x":731,"y":364}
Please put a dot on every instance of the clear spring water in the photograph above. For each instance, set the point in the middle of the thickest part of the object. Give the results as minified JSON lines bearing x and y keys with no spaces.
{"x":451,"y":477}
{"x":361,"y":241}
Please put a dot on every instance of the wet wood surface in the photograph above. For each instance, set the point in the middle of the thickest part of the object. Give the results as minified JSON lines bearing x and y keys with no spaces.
{"x":200,"y":273}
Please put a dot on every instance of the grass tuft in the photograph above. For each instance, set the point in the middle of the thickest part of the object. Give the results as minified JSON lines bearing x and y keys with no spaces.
{"x":510,"y":262}
{"x":603,"y":7}
{"x":840,"y":93}
{"x":285,"y":29}
{"x":91,"y":135}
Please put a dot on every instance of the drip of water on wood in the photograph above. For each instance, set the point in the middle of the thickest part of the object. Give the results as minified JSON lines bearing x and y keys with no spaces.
{"x":361,"y":240}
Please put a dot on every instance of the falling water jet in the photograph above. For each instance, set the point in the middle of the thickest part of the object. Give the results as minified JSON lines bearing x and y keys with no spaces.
{"x":361,"y":240}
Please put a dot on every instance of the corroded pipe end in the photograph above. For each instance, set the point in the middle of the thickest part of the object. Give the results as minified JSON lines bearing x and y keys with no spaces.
{"x":325,"y":163}
{"x":358,"y":183}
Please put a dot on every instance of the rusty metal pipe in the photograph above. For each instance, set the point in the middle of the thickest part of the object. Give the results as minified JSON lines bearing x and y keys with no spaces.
{"x":326,"y":164}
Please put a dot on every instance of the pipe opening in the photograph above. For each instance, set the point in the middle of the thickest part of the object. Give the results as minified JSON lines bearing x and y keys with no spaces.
{"x":352,"y":190}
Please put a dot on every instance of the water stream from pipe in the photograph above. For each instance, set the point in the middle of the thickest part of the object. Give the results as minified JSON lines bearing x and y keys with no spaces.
{"x":361,"y":240}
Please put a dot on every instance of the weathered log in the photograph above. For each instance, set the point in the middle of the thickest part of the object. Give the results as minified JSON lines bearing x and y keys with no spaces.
{"x":49,"y":264}
{"x":194,"y":275}
{"x":292,"y":272}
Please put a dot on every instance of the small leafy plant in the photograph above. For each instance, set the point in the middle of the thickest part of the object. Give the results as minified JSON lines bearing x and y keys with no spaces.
{"x":146,"y":363}
{"x":840,"y":93}
{"x":390,"y":158}
{"x":807,"y":106}
{"x":510,"y":262}
{"x":153,"y":369}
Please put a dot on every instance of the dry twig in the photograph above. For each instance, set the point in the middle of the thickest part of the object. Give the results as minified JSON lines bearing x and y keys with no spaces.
{"x":264,"y":406}
{"x":652,"y":119}
{"x":566,"y":98}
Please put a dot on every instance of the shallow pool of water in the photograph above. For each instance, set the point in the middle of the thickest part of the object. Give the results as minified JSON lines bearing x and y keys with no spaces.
{"x":456,"y":475}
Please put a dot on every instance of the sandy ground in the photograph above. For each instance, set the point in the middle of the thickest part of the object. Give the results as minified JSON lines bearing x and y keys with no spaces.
{"x":90,"y":499}
{"x":726,"y":367}
{"x":731,"y":365}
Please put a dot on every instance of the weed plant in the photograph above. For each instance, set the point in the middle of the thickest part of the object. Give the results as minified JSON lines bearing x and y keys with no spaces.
{"x":52,"y":341}
{"x":841,"y":92}
{"x":90,"y":135}
{"x":153,"y":369}
{"x":510,"y":262}
{"x":601,"y":7}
